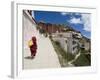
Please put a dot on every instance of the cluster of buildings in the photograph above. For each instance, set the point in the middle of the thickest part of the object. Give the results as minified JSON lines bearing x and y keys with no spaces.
{"x":70,"y":40}
{"x":51,"y":28}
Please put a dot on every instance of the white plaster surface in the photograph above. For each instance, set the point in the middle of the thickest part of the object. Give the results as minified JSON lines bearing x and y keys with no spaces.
{"x":46,"y":56}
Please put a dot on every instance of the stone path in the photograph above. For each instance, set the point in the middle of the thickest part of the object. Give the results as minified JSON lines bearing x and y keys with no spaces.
{"x":46,"y":56}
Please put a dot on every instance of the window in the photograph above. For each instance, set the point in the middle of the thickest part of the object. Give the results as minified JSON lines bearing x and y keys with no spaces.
{"x":74,"y":42}
{"x":66,"y":41}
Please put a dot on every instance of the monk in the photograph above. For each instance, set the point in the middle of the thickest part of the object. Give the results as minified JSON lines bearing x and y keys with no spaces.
{"x":33,"y":47}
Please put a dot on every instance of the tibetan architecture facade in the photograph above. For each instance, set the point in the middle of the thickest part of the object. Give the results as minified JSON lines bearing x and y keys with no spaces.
{"x":67,"y":41}
{"x":50,"y":28}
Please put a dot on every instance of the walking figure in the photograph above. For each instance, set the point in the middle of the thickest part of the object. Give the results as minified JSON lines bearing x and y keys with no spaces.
{"x":33,"y":46}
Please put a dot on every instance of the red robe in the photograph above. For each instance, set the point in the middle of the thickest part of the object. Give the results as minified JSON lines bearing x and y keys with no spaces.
{"x":33,"y":48}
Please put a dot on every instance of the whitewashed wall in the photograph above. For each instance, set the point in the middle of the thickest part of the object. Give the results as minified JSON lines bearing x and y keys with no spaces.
{"x":29,"y":28}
